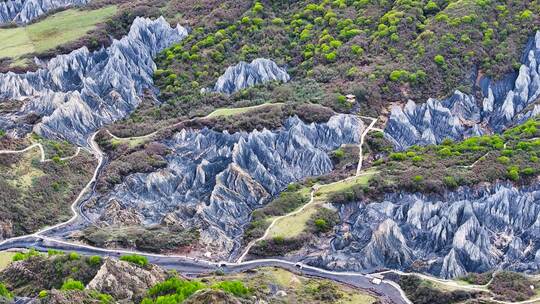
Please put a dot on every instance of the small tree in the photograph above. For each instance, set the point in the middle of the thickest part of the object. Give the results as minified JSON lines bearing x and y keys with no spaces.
{"x":439,"y":60}
{"x":71,"y":284}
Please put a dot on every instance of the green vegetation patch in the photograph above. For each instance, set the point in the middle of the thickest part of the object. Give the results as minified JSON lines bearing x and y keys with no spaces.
{"x":175,"y":290}
{"x":135,"y":259}
{"x":36,"y":194}
{"x":511,"y":156}
{"x":55,"y":30}
{"x":47,"y":272}
{"x":424,"y":292}
{"x":235,"y":111}
{"x":264,"y":283}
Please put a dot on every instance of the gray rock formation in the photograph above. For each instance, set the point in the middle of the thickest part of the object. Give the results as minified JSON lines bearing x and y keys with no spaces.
{"x":244,"y":75}
{"x":77,"y":93}
{"x":214,"y":180}
{"x":507,"y":101}
{"x":24,"y":11}
{"x":467,"y":231}
{"x":124,"y":281}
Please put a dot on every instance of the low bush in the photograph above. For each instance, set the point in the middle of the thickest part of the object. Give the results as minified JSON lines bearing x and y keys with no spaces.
{"x":71,"y":284}
{"x":135,"y":259}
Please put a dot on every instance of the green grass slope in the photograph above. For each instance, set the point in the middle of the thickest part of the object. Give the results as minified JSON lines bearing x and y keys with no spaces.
{"x":55,"y":30}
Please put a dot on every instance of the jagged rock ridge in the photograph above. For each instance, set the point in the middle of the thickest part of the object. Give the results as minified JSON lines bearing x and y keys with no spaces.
{"x":24,"y":11}
{"x":507,"y":101}
{"x":77,"y":93}
{"x":244,"y":75}
{"x":468,"y":231}
{"x":214,"y":180}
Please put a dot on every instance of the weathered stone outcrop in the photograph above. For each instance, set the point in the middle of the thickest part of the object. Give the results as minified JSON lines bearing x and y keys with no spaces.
{"x":24,"y":11}
{"x":125,"y":281}
{"x":214,"y":180}
{"x":507,"y":101}
{"x":77,"y":93}
{"x":467,"y":231}
{"x":244,"y":75}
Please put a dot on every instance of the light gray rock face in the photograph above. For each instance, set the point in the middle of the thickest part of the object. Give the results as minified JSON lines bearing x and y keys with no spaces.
{"x":77,"y":93}
{"x":214,"y":180}
{"x":507,"y":101}
{"x":468,"y":231}
{"x":24,"y":11}
{"x":244,"y":75}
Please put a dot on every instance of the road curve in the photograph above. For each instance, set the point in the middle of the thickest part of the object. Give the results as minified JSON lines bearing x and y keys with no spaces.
{"x":188,"y":265}
{"x":387,"y":290}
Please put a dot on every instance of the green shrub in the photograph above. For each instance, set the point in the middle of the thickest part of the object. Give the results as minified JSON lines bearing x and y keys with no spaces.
{"x":526,"y":15}
{"x":411,"y":154}
{"x":399,"y":75}
{"x":357,"y":50}
{"x":4,"y":292}
{"x":43,"y":294}
{"x":431,"y":7}
{"x":258,"y":7}
{"x":503,"y":160}
{"x":513,"y":173}
{"x":339,"y":153}
{"x":321,"y":225}
{"x":398,"y":156}
{"x":71,"y":284}
{"x":418,"y":178}
{"x":73,"y":256}
{"x":135,"y":259}
{"x":236,"y":288}
{"x":417,"y":159}
{"x":450,"y":181}
{"x":439,"y":60}
{"x":20,"y":256}
{"x":444,"y":152}
{"x":528,"y":171}
{"x":94,"y":260}
{"x":278,"y":21}
{"x":331,"y":56}
{"x":52,"y":252}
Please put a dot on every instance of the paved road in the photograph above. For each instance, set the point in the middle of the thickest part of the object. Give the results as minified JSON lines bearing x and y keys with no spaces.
{"x":192,"y":266}
{"x":185,"y":265}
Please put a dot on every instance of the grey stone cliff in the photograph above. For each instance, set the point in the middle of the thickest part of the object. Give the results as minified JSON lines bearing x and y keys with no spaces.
{"x":214,"y":180}
{"x":244,"y":75}
{"x":467,"y":231}
{"x":77,"y":93}
{"x":506,"y":102}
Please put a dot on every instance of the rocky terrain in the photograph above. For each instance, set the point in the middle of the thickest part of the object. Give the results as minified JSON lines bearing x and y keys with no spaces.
{"x":214,"y":180}
{"x":33,"y":278}
{"x":25,"y":11}
{"x":470,"y":230}
{"x":77,"y":93}
{"x":244,"y":75}
{"x":507,"y":101}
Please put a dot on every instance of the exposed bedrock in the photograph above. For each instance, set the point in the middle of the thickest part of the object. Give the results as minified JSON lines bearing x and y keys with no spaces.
{"x":468,"y":231}
{"x":24,"y":11}
{"x":506,"y":102}
{"x":214,"y":180}
{"x":77,"y":93}
{"x":244,"y":75}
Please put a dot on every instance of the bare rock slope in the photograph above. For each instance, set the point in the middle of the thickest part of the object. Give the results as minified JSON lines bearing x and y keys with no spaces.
{"x":77,"y":93}
{"x":507,"y":101}
{"x":214,"y":180}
